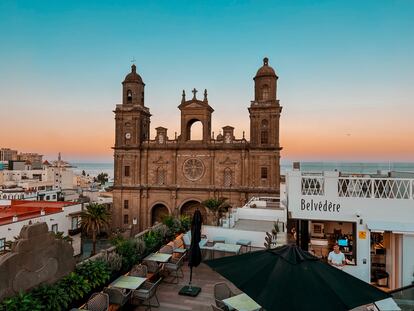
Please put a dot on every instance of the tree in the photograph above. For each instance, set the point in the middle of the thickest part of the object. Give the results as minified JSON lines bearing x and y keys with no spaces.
{"x":218,"y":206}
{"x":102,"y":178}
{"x":94,"y":219}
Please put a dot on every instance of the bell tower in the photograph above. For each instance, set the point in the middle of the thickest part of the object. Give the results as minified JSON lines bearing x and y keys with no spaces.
{"x":132,"y":118}
{"x":264,"y":130}
{"x":265,"y":109}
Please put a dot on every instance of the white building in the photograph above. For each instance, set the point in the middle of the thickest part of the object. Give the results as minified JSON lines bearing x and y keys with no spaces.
{"x":370,"y":217}
{"x":59,"y":216}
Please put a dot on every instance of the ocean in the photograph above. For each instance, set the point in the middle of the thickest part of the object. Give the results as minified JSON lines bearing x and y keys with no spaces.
{"x":93,"y":169}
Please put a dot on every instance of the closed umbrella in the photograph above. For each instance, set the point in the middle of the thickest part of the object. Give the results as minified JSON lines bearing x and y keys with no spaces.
{"x":288,"y":278}
{"x":194,"y":256}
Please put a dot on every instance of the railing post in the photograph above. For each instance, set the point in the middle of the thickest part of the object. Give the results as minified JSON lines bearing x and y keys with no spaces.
{"x":372,"y":188}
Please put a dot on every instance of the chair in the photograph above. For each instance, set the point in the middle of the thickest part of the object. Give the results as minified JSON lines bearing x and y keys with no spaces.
{"x":152,"y":269}
{"x":139,"y":270}
{"x":117,"y":296}
{"x":98,"y":302}
{"x":146,"y":292}
{"x":214,"y":308}
{"x":166,"y":249}
{"x":221,"y":292}
{"x":174,"y":266}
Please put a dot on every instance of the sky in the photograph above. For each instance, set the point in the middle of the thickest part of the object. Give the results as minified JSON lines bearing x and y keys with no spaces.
{"x":345,"y":70}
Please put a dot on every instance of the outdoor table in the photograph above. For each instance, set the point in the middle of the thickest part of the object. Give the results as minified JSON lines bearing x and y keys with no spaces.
{"x":179,"y":250}
{"x":128,"y":282}
{"x":228,"y":248}
{"x":158,"y":257}
{"x":242,"y":302}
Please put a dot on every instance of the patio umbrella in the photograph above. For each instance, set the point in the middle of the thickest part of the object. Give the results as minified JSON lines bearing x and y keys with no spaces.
{"x":194,"y":256}
{"x":288,"y":278}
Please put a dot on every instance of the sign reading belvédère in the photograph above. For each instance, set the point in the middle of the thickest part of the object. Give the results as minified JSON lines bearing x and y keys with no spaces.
{"x":321,"y":206}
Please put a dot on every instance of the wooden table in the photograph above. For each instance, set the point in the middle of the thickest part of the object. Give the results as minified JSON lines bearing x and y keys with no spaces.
{"x":242,"y":302}
{"x":128,"y":282}
{"x":158,"y":257}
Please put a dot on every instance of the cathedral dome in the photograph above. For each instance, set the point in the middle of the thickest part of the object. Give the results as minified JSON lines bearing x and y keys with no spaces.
{"x":133,"y":76}
{"x":265,"y":70}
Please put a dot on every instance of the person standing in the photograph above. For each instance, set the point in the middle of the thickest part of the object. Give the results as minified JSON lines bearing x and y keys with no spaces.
{"x":336,"y":258}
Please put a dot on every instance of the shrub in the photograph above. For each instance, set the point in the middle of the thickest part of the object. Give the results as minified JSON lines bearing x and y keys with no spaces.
{"x":185,"y":223}
{"x":75,"y":285}
{"x":22,"y":302}
{"x":114,"y":262}
{"x":127,"y":248}
{"x":52,"y":297}
{"x":96,"y":272}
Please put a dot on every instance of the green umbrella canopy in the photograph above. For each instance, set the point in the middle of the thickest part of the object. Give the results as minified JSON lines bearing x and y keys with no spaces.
{"x":288,"y":278}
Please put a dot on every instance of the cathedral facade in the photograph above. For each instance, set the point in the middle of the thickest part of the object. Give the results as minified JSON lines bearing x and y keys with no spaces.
{"x":155,"y":177}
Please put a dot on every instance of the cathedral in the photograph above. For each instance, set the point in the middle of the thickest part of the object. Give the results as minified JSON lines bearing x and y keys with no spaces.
{"x":164,"y":175}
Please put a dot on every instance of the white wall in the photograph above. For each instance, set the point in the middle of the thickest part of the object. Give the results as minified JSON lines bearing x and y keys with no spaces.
{"x":233,"y":235}
{"x":62,"y":219}
{"x":262,"y":214}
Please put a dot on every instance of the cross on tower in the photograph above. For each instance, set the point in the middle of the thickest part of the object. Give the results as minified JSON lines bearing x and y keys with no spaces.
{"x":133,"y":60}
{"x":194,"y":91}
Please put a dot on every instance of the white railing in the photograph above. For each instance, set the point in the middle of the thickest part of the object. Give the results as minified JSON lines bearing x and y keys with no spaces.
{"x":361,"y":187}
{"x":379,"y":188}
{"x":313,"y":185}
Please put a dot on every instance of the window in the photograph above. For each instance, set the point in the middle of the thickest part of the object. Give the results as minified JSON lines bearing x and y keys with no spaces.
{"x":264,"y":133}
{"x":126,"y":171}
{"x":160,"y":176}
{"x":55,"y":228}
{"x":2,"y":244}
{"x":228,"y":177}
{"x":75,"y":223}
{"x":264,"y":137}
{"x":126,"y":219}
{"x":265,"y":92}
{"x":263,"y":172}
{"x":126,"y":204}
{"x":129,"y":96}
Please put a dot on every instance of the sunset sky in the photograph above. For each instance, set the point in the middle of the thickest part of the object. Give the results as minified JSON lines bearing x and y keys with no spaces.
{"x":346,"y":71}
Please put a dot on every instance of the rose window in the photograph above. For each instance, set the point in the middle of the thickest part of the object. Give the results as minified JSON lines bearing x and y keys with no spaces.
{"x":193,"y":169}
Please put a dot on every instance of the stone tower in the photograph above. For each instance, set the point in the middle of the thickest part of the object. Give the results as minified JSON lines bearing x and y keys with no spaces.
{"x":264,"y":125}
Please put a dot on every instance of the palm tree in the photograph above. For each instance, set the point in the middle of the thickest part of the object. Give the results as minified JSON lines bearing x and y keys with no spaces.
{"x":95,"y":218}
{"x":217,"y":206}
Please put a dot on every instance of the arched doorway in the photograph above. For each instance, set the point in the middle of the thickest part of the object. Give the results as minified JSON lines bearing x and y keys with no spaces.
{"x":188,"y":208}
{"x":158,"y":212}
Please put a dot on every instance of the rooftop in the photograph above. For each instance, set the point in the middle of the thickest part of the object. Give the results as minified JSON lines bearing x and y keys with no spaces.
{"x":28,"y":209}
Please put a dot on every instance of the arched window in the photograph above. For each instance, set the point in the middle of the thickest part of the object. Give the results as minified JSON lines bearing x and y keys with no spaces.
{"x":129,"y":96}
{"x":228,"y":177}
{"x":265,"y":92}
{"x":264,"y":132}
{"x":161,"y":178}
{"x":195,"y":130}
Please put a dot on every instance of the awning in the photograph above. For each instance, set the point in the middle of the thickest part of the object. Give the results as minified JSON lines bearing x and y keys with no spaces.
{"x":396,"y":227}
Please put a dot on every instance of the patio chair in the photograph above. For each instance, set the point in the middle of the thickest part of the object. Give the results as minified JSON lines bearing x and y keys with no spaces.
{"x":117,"y":296}
{"x":152,"y":269}
{"x":221,"y":292}
{"x":98,"y":302}
{"x":139,"y":270}
{"x":145,"y":293}
{"x":166,"y":249}
{"x":173,"y":267}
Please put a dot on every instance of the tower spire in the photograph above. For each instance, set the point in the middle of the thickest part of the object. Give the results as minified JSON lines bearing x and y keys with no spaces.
{"x":183,"y":99}
{"x":205,"y":95}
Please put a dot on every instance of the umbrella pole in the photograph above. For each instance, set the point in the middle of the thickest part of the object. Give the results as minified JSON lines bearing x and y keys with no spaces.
{"x":191,"y":277}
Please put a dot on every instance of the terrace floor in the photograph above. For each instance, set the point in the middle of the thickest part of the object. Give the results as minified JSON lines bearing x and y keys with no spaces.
{"x":203,"y":277}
